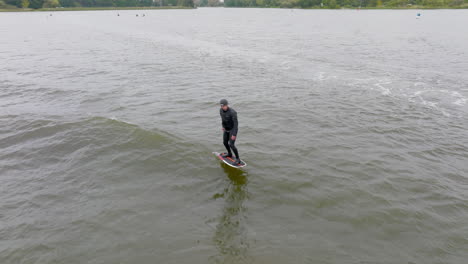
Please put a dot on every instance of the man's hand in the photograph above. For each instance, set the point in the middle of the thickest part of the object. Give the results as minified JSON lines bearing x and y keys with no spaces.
{"x":233,"y":137}
{"x":223,"y":129}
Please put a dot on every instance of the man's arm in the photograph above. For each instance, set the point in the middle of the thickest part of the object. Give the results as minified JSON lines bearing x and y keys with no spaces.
{"x":221,"y":115}
{"x":235,"y":128}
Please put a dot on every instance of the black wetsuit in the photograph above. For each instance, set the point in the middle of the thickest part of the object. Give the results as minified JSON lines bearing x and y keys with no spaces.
{"x":230,"y":125}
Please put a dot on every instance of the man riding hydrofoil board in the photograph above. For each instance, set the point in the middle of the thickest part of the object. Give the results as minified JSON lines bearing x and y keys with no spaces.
{"x":230,"y":128}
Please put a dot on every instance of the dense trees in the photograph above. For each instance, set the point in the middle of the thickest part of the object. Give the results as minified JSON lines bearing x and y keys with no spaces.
{"x":204,"y":3}
{"x":35,"y":4}
{"x":124,"y":3}
{"x":343,"y":3}
{"x":51,"y":3}
{"x":236,"y":3}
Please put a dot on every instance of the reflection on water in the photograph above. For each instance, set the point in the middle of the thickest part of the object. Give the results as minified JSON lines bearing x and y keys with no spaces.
{"x":231,"y":233}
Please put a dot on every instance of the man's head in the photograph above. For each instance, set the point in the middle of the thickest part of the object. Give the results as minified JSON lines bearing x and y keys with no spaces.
{"x":224,"y":104}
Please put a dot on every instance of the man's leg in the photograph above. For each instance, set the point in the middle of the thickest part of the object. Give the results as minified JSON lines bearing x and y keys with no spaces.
{"x":233,"y":146}
{"x":226,"y":143}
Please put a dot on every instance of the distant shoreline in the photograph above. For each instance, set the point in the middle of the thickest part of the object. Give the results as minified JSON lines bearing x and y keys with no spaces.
{"x":182,"y":7}
{"x":465,"y":6}
{"x":91,"y":9}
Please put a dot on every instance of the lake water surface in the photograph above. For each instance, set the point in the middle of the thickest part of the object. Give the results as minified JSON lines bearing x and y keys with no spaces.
{"x":353,"y":123}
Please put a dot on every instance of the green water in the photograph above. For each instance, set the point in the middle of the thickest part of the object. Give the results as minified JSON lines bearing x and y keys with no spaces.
{"x":355,"y":137}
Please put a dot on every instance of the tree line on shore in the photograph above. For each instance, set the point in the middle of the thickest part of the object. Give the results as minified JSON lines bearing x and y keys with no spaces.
{"x":36,"y":4}
{"x":346,"y":3}
{"x":208,"y":3}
